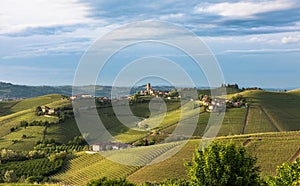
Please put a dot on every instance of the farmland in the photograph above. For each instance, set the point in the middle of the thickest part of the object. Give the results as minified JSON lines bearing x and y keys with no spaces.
{"x":271,"y":149}
{"x":268,"y":128}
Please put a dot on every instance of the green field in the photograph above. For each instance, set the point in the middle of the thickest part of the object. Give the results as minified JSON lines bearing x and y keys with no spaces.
{"x":5,"y":106}
{"x":34,"y":102}
{"x":271,"y":150}
{"x":269,"y":129}
{"x":281,"y":108}
{"x":83,"y":167}
{"x":25,"y":111}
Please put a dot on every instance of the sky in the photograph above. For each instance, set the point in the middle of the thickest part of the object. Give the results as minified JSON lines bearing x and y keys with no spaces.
{"x":256,"y":43}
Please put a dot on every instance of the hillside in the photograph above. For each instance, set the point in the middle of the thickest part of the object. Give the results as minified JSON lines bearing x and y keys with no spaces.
{"x":24,"y":110}
{"x":83,"y":167}
{"x":268,"y":128}
{"x":273,"y":111}
{"x":8,"y":90}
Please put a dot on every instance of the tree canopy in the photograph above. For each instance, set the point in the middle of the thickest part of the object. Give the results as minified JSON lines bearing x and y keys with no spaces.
{"x":288,"y":174}
{"x":221,"y":164}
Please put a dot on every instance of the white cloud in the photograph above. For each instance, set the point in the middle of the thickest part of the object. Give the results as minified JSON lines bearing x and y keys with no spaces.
{"x":171,"y":16}
{"x":290,"y":39}
{"x":243,"y":8}
{"x":16,"y":15}
{"x":259,"y":51}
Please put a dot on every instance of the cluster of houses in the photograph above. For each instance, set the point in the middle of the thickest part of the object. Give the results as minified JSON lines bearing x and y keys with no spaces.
{"x":104,"y":146}
{"x":220,"y":104}
{"x":150,"y":92}
{"x":88,"y":96}
{"x":155,"y":93}
{"x":103,"y":100}
{"x":10,"y":99}
{"x":47,"y":110}
{"x":80,"y":96}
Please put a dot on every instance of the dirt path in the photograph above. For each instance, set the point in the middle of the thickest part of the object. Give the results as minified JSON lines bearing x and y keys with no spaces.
{"x":270,"y":119}
{"x":246,"y":120}
{"x":295,"y":156}
{"x":247,"y":142}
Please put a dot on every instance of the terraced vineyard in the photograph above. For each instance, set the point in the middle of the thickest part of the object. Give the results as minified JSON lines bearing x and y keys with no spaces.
{"x":79,"y":170}
{"x":271,"y":150}
{"x":258,"y":121}
{"x":268,"y":112}
{"x":281,"y":109}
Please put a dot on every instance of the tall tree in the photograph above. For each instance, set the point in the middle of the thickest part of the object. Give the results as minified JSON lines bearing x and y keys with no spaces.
{"x":288,"y":174}
{"x":223,"y":165}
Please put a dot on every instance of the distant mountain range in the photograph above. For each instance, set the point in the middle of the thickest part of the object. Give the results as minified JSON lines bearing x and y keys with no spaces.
{"x":9,"y":90}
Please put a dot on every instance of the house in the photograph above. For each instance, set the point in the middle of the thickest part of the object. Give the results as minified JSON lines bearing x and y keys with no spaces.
{"x":80,"y":96}
{"x":51,"y":111}
{"x":96,"y":147}
{"x":45,"y":109}
{"x":104,"y":146}
{"x":105,"y":99}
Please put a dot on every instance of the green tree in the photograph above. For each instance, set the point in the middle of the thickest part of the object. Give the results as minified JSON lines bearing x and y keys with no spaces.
{"x":110,"y":182}
{"x":288,"y":174}
{"x":23,"y":124}
{"x":174,"y":93}
{"x":221,"y":165}
{"x":9,"y":176}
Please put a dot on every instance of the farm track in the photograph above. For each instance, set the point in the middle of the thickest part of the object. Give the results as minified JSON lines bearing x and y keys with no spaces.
{"x":246,"y":120}
{"x":295,"y":156}
{"x":247,"y":142}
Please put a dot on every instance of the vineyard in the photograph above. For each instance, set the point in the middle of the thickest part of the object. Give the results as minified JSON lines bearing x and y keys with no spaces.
{"x":32,"y":168}
{"x":259,"y":128}
{"x":84,"y":167}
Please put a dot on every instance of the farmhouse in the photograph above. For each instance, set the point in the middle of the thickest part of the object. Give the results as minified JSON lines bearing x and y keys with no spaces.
{"x":47,"y":110}
{"x":104,"y":146}
{"x":80,"y":96}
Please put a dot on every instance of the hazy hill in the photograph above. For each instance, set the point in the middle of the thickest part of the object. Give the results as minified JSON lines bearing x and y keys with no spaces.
{"x":8,"y":90}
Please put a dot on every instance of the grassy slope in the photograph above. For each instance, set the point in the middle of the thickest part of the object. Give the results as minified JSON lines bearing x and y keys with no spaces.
{"x":5,"y":106}
{"x":84,"y":167}
{"x":80,"y":169}
{"x":33,"y":134}
{"x":282,"y":109}
{"x":25,"y":110}
{"x":35,"y":102}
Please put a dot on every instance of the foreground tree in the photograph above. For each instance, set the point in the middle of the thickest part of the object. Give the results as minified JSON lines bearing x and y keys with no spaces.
{"x":288,"y":174}
{"x":110,"y":182}
{"x":221,"y":165}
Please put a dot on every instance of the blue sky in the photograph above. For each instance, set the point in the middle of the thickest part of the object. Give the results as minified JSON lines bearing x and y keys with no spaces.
{"x":257,"y":43}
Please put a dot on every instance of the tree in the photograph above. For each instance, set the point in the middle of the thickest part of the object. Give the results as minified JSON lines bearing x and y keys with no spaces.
{"x":110,"y":182}
{"x":174,"y":93}
{"x":220,"y":164}
{"x":288,"y":174}
{"x":23,"y":124}
{"x":10,"y":176}
{"x":39,"y":111}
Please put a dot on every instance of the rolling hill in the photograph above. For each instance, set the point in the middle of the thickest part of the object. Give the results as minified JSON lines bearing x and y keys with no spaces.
{"x":271,"y":150}
{"x":269,"y":129}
